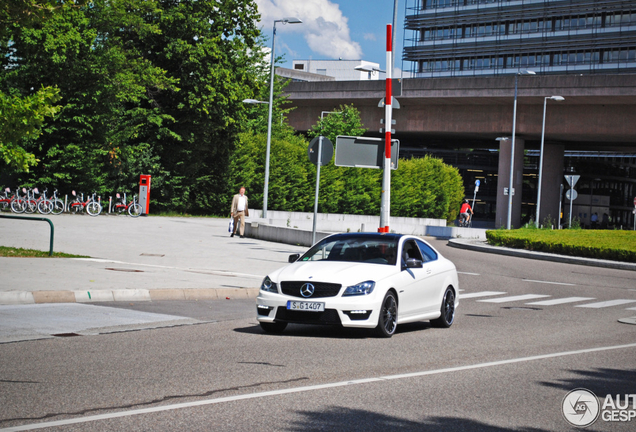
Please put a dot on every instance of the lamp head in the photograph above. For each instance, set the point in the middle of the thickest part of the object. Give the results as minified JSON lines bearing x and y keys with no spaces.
{"x":290,"y":20}
{"x":557,"y":98}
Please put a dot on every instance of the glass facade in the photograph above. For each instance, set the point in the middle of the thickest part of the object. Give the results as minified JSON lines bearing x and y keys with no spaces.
{"x":445,"y":38}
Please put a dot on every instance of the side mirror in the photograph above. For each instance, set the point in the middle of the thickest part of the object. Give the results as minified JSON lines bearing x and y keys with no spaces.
{"x":293,"y":258}
{"x":414,"y":263}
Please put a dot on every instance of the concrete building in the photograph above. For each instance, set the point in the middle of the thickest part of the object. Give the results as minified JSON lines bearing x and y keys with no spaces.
{"x":465,"y":57}
{"x":341,"y":70}
{"x":462,"y":117}
{"x":493,"y":37}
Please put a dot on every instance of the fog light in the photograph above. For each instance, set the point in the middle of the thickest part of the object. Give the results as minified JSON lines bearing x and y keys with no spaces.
{"x":358,"y":312}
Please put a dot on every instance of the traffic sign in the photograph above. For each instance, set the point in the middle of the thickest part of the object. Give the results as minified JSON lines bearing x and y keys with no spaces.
{"x":325,"y":155}
{"x":572,"y":179}
{"x":571,"y":193}
{"x":363,"y":152}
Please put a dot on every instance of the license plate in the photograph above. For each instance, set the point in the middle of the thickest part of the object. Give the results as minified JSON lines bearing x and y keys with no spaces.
{"x":306,"y":306}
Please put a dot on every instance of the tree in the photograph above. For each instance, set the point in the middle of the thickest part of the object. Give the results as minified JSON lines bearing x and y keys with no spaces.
{"x":21,"y":118}
{"x":147,"y":86}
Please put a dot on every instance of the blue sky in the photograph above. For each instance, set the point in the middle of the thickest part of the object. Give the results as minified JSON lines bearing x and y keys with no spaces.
{"x":332,"y":29}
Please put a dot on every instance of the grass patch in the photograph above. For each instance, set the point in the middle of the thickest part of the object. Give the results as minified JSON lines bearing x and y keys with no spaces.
{"x":600,"y":244}
{"x":31,"y":253}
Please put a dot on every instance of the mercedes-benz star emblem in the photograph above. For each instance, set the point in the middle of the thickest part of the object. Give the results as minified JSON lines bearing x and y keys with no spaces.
{"x":307,"y":290}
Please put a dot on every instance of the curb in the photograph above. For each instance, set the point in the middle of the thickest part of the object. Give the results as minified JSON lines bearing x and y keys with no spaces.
{"x":482,"y":246}
{"x":36,"y":297}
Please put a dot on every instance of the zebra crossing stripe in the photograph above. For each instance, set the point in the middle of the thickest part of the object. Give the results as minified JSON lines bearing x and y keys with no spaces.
{"x":514,"y":298}
{"x":561,"y":301}
{"x":605,"y":304}
{"x":480,"y":294}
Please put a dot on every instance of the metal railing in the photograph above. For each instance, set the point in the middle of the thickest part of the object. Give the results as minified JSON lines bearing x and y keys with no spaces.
{"x":36,"y":219}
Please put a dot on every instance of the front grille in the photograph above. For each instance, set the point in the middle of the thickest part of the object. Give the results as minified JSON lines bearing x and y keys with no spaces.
{"x":322,"y":289}
{"x":328,"y":317}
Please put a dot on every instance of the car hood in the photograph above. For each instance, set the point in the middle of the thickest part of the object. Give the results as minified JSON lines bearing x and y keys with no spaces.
{"x":345,"y":273}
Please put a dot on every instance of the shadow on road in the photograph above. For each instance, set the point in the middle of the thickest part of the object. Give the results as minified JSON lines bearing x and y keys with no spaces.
{"x":332,"y":332}
{"x":339,"y":419}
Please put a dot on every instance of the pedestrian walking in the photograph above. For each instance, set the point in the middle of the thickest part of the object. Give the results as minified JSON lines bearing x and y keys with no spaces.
{"x":239,"y":212}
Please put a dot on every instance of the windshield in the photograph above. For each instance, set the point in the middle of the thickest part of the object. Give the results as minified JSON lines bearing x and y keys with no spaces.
{"x":374,"y":250}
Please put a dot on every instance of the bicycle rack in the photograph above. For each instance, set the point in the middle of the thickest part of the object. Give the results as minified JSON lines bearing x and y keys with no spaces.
{"x":36,"y":219}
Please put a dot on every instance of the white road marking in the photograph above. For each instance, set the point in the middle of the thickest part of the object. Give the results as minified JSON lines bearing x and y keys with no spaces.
{"x":204,"y":271}
{"x":561,"y":301}
{"x":547,"y":282}
{"x":514,"y":298}
{"x":471,"y":274}
{"x":204,"y":402}
{"x":480,"y":294}
{"x":605,"y":304}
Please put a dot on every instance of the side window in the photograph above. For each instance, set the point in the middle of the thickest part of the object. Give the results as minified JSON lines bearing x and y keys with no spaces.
{"x":428,"y":253}
{"x":410,"y":250}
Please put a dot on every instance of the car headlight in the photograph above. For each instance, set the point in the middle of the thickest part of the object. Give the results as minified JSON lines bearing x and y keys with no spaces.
{"x":363,"y":288}
{"x":268,"y":285}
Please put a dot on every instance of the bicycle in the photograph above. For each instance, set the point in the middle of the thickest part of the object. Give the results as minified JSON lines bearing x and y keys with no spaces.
{"x":5,"y":201}
{"x":465,"y":223}
{"x":18,"y":203}
{"x":78,"y":205}
{"x":58,"y":204}
{"x":132,"y":207}
{"x":45,"y":206}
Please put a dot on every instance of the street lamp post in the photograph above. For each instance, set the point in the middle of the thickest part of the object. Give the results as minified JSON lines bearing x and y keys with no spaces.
{"x":512,"y":148}
{"x":545,"y":103}
{"x":289,"y":20}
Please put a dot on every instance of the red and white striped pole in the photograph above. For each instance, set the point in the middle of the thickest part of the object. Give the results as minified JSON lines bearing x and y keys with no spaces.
{"x":385,"y":203}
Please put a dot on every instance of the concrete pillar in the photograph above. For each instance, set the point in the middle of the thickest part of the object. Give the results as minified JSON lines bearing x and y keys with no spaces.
{"x":503,"y":181}
{"x":551,"y":181}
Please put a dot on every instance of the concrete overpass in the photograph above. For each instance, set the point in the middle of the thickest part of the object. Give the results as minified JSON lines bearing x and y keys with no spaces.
{"x":599,"y":113}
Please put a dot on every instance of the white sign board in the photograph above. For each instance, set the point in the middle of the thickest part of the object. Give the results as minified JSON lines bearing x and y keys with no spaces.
{"x":572,"y":179}
{"x":364,"y":152}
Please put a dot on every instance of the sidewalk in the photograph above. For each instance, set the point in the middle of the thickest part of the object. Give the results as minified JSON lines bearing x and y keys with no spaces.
{"x":148,"y":258}
{"x":159,"y":258}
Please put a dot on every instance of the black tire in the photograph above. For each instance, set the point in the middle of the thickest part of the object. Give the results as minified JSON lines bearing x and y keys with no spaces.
{"x":387,"y":323}
{"x":275,"y":327}
{"x":447,"y":310}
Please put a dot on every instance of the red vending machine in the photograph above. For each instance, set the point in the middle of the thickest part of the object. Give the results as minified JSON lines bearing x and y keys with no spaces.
{"x":144,"y":193}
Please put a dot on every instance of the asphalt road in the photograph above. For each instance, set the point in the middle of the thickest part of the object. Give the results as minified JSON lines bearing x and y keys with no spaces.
{"x":506,"y":363}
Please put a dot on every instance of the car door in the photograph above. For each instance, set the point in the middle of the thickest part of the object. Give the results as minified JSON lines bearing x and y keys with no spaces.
{"x":435,"y":275}
{"x":412,"y":282}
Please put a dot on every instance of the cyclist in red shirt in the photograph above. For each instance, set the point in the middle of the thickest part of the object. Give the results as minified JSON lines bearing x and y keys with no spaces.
{"x":465,"y":213}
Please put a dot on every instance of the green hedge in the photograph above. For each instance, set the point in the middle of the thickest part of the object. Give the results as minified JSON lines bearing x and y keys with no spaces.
{"x":424,"y":187}
{"x":599,"y":244}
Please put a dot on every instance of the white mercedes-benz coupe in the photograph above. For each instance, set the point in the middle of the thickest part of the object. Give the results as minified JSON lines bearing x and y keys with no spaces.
{"x":363,"y":280}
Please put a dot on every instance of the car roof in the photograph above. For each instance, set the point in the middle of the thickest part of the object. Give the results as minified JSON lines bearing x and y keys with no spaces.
{"x":367,"y":235}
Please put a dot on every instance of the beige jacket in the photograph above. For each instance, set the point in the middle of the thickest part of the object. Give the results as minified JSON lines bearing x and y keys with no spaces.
{"x":234,"y":209}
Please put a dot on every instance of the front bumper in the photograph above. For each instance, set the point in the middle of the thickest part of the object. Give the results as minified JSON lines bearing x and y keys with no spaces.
{"x":354,"y":311}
